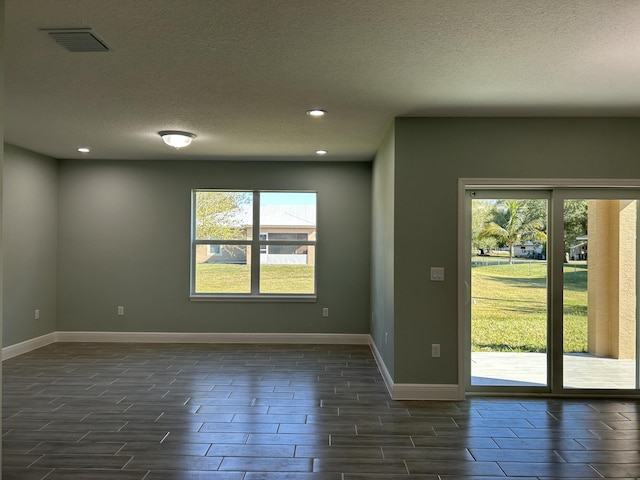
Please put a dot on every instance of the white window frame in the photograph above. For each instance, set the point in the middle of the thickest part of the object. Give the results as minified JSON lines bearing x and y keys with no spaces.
{"x":257,"y":246}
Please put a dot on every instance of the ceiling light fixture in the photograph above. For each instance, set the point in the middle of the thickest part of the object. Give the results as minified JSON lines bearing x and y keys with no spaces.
{"x":321,"y":152}
{"x":83,"y":150}
{"x":316,"y":113}
{"x":176,"y":139}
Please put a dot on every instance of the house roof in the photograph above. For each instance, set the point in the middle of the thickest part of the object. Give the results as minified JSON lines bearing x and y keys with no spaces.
{"x":240,"y":74}
{"x":288,"y":215}
{"x":280,"y":215}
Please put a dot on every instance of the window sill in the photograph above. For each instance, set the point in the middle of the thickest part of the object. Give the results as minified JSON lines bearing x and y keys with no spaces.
{"x":254,"y":298}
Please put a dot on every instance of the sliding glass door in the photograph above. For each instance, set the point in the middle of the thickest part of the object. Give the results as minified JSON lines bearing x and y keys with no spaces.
{"x":509,"y":289}
{"x":599,"y":290}
{"x":552,"y":297}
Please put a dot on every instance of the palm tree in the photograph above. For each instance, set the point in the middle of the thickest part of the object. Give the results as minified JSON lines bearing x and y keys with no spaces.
{"x":515,"y":222}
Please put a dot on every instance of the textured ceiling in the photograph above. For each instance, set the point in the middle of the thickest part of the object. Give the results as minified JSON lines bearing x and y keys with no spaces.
{"x":240,"y":74}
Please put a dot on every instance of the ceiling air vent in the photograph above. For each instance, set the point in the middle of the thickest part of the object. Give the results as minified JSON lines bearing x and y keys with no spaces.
{"x":78,"y":39}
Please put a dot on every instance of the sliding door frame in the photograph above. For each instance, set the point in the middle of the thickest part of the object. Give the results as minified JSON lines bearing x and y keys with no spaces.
{"x":558,"y":197}
{"x":542,"y":194}
{"x":555,"y":256}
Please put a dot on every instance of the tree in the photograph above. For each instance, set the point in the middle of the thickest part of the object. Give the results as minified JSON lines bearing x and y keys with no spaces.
{"x":481,"y":212}
{"x":575,"y":221}
{"x":219,"y":215}
{"x":514,"y":222}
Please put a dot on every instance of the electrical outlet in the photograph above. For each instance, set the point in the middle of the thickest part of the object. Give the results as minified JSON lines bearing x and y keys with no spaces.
{"x":120,"y":311}
{"x":437,"y":274}
{"x":435,"y":349}
{"x":37,"y":314}
{"x":325,"y":312}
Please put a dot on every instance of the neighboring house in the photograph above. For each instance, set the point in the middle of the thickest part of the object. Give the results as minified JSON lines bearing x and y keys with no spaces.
{"x":527,"y":250}
{"x":288,"y":223}
{"x":578,"y":251}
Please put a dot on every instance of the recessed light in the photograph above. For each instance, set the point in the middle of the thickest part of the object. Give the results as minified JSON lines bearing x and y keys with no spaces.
{"x":83,"y":150}
{"x":321,"y":152}
{"x":316,"y":113}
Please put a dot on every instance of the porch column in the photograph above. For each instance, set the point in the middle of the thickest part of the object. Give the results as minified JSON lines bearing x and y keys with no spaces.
{"x":612,"y":278}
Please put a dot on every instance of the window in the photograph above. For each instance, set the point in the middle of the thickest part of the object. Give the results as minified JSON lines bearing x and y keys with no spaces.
{"x":253,"y":244}
{"x":263,"y":246}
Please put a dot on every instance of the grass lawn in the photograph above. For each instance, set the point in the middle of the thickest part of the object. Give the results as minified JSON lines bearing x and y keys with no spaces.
{"x":508,"y":310}
{"x":509,"y":307}
{"x":229,"y":278}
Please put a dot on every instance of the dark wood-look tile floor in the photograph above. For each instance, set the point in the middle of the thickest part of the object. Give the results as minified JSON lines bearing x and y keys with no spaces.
{"x":284,"y":412}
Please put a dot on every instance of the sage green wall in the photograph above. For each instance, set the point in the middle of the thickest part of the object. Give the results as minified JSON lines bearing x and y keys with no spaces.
{"x":124,"y":240}
{"x":382,"y":261}
{"x":123,"y":232}
{"x":431,"y":154}
{"x":1,"y":181}
{"x":30,"y":217}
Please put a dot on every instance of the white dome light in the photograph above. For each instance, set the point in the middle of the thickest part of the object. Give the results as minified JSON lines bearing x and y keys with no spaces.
{"x":176,"y":139}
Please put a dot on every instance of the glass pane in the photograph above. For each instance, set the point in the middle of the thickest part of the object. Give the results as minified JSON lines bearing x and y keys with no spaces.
{"x":223,"y":269}
{"x":599,"y":294}
{"x":288,"y":269}
{"x":291,"y":213}
{"x":223,"y":215}
{"x":509,"y":292}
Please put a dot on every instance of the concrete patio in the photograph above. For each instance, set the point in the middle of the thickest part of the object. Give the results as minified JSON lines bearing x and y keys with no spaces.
{"x":529,"y":369}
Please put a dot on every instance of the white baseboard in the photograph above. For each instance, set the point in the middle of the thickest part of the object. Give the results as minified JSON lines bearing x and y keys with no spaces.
{"x":386,"y":376}
{"x":188,"y":337}
{"x":410,"y":391}
{"x":28,"y":345}
{"x":415,"y":391}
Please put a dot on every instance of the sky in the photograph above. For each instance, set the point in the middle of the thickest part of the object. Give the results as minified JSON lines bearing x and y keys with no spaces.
{"x":287,"y":198}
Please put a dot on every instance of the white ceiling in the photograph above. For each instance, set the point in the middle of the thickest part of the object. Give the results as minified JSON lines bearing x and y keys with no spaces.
{"x":240,"y":74}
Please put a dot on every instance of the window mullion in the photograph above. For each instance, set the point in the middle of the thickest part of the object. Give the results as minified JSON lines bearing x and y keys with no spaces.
{"x":223,"y":242}
{"x":287,"y":242}
{"x":255,"y":245}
